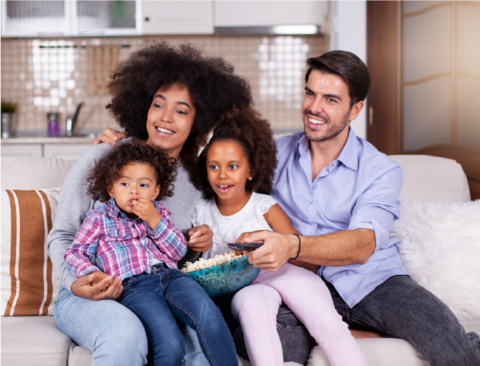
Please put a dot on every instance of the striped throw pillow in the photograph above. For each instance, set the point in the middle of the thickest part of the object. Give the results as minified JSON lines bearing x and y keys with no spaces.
{"x":29,"y":283}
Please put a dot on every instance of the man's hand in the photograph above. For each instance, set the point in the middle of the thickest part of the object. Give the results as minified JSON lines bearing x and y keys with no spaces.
{"x":97,"y":286}
{"x":145,"y":209}
{"x":199,"y":238}
{"x":109,"y":136}
{"x":276,"y":250}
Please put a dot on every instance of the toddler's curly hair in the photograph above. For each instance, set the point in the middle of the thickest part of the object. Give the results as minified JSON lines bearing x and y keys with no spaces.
{"x":211,"y":82}
{"x":253,"y":133}
{"x":109,"y":168}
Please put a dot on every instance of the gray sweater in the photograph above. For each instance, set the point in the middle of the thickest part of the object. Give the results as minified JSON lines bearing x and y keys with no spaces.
{"x":75,"y":203}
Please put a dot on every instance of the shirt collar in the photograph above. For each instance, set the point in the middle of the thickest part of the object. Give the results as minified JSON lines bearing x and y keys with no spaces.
{"x":114,"y":211}
{"x":348,"y":156}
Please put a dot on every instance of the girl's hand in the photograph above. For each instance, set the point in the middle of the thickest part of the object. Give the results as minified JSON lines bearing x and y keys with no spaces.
{"x":97,"y":286}
{"x":145,"y":209}
{"x":199,"y":238}
{"x":109,"y":136}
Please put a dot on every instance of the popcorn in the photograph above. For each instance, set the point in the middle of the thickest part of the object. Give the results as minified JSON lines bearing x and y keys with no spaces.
{"x":204,"y":263}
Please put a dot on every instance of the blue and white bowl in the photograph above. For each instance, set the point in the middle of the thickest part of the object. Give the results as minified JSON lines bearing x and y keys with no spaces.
{"x":226,"y":277}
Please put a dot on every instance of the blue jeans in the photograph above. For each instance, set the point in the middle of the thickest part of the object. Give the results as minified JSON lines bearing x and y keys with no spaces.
{"x":165,"y":296}
{"x":113,"y":334}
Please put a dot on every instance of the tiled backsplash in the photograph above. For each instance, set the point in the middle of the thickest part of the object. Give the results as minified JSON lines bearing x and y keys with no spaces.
{"x":44,"y":75}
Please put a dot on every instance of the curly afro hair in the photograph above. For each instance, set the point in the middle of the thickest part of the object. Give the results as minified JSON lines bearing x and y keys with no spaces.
{"x":109,"y":169}
{"x":253,"y":133}
{"x":212,"y":85}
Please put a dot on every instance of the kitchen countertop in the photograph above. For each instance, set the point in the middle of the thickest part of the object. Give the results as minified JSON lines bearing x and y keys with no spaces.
{"x":26,"y":138}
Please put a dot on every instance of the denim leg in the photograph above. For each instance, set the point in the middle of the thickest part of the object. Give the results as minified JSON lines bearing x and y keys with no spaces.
{"x":109,"y":330}
{"x":192,"y":306}
{"x":144,"y":296}
{"x":404,"y":309}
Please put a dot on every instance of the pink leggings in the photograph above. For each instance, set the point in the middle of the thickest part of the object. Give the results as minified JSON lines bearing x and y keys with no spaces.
{"x":256,"y":307}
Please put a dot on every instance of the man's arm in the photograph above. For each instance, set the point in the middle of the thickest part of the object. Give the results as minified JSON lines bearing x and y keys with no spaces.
{"x":335,"y":249}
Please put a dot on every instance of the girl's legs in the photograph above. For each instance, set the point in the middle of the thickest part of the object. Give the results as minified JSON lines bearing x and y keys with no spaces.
{"x":256,"y":309}
{"x":310,"y":300}
{"x":191,"y":305}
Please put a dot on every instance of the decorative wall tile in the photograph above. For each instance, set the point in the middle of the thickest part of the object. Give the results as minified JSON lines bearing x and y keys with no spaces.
{"x":50,"y":75}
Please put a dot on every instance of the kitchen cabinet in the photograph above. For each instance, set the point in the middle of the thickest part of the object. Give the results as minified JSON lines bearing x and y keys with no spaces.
{"x":269,"y":13}
{"x":177,"y":17}
{"x":71,"y":18}
{"x":67,"y":152}
{"x":22,"y":151}
{"x":69,"y":148}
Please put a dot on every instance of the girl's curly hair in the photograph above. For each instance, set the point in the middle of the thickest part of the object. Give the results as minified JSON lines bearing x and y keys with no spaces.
{"x":109,"y":169}
{"x":212,"y":85}
{"x":253,"y":133}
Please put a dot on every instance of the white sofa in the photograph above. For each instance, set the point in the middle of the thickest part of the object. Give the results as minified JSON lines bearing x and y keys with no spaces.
{"x":35,"y":340}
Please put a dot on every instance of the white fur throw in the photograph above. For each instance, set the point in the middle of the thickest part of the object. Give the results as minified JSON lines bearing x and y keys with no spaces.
{"x":441,"y":250}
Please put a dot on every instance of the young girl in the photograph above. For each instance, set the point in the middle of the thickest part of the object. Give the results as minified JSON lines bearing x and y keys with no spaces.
{"x":132,"y":236}
{"x":240,"y":162}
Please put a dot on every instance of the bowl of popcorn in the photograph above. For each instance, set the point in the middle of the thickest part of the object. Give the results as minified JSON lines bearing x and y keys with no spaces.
{"x":222,"y":274}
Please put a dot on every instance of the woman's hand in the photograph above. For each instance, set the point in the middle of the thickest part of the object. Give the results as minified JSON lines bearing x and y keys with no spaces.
{"x":109,"y":136}
{"x":97,"y":286}
{"x":199,"y":238}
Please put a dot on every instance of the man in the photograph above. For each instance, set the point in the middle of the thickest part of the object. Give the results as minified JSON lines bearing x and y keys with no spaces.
{"x":342,"y":196}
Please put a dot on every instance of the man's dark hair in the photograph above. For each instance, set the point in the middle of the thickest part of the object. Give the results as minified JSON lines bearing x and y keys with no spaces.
{"x":109,"y":168}
{"x":346,"y":65}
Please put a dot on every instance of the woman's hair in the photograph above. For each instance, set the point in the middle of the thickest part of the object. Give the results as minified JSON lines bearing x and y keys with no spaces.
{"x":349,"y":67}
{"x":253,"y":133}
{"x":212,"y":85}
{"x":109,"y":169}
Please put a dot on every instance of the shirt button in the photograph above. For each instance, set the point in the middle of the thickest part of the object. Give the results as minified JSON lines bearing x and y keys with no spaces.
{"x":334,"y":280}
{"x":310,"y":193}
{"x":311,"y":231}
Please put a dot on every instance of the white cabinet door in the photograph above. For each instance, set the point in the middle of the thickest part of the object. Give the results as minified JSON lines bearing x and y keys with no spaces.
{"x":22,"y":151}
{"x":177,"y":17}
{"x":107,"y":18}
{"x":35,"y":18}
{"x":67,"y":152}
{"x":269,"y":13}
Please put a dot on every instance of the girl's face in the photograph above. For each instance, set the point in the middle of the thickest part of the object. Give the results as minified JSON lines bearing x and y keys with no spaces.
{"x":170,"y":119}
{"x":228,"y":170}
{"x":136,"y":181}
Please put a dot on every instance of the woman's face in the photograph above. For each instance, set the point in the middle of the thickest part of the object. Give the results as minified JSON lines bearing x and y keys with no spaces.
{"x":170,"y":119}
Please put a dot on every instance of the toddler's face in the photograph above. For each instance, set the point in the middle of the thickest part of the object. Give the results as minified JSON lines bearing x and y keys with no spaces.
{"x":228,"y":170}
{"x":136,"y":181}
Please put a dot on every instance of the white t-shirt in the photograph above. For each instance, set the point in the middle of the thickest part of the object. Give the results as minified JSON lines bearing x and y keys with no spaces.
{"x":227,"y":229}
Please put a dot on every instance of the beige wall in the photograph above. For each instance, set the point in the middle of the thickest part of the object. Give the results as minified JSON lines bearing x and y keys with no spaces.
{"x":43,"y":75}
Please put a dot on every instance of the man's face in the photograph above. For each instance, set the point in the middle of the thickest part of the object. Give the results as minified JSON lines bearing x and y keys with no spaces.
{"x":326,"y":108}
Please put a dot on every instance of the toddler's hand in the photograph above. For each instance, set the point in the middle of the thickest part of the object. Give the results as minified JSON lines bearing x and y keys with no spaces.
{"x":145,"y":209}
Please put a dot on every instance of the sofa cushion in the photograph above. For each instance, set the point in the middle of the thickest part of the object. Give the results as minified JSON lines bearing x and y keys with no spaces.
{"x":34,"y":173}
{"x":440,"y":248}
{"x":29,"y":283}
{"x":431,"y":177}
{"x":33,"y":340}
{"x":386,"y":351}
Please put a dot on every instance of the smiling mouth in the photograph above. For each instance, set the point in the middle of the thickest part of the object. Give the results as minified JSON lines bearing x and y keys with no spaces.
{"x":314,"y":121}
{"x":224,"y":188}
{"x":164,"y":130}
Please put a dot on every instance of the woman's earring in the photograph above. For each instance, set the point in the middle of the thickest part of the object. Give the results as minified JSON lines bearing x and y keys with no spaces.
{"x":250,"y":178}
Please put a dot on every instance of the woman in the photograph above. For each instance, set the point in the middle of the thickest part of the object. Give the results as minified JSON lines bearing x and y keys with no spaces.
{"x":170,"y":98}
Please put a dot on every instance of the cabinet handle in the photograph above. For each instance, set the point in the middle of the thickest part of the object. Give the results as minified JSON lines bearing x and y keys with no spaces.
{"x":147,"y":19}
{"x":370,"y":116}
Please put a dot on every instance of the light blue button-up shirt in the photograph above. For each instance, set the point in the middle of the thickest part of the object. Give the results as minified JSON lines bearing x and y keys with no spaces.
{"x":358,"y":190}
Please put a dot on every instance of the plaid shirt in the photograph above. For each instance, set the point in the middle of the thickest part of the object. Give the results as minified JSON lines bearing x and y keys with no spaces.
{"x":121,"y":246}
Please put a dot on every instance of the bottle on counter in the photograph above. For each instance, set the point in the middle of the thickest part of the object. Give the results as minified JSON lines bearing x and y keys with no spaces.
{"x":53,"y":127}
